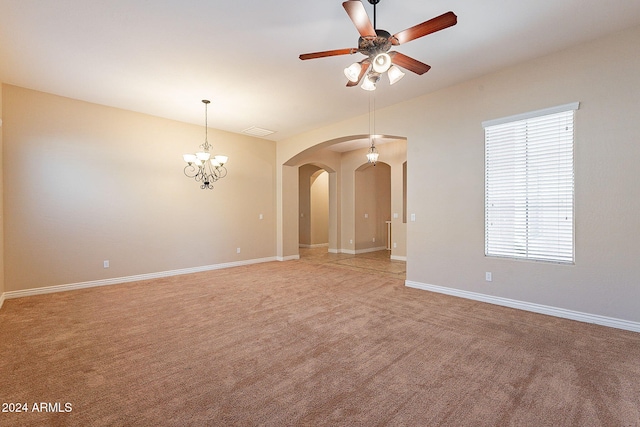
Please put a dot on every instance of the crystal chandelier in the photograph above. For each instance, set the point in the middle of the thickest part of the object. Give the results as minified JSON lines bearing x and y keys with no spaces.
{"x":201,"y":166}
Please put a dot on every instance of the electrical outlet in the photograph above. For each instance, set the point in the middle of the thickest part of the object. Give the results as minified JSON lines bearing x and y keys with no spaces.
{"x":488,"y":276}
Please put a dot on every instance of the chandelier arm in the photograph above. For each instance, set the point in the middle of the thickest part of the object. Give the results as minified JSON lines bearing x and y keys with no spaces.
{"x":221,"y":171}
{"x":191,"y":171}
{"x":210,"y":172}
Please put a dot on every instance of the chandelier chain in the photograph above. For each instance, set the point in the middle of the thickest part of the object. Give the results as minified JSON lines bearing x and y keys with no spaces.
{"x":206,"y":145}
{"x":372,"y":153}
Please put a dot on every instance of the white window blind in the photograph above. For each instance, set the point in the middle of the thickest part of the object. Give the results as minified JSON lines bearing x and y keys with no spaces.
{"x":529,"y":186}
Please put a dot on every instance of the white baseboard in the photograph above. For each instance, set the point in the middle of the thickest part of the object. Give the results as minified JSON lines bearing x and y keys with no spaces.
{"x":333,"y":251}
{"x":527,"y":306}
{"x":315,"y":245}
{"x":364,"y":251}
{"x":2,"y":297}
{"x":398,"y":258}
{"x":360,"y":251}
{"x":287,"y":258}
{"x":135,"y":278}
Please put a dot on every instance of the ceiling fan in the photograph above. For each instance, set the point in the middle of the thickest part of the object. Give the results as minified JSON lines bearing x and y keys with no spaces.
{"x":375,"y":45}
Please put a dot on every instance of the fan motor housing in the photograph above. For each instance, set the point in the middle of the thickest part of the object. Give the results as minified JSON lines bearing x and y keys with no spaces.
{"x":372,"y":46}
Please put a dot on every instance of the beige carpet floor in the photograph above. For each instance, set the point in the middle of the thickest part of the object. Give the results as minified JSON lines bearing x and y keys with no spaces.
{"x":303,"y":343}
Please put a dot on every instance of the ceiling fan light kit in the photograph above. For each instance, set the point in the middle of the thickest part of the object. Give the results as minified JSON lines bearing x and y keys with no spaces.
{"x":353,"y":71}
{"x":382,"y":62}
{"x":369,"y":82}
{"x":375,"y":44}
{"x":394,"y":73}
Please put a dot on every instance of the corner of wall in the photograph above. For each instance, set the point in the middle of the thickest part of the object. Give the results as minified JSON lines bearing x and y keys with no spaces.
{"x":1,"y":206}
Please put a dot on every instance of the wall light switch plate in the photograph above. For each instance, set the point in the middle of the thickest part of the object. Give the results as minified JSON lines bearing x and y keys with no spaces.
{"x":105,"y":263}
{"x":488,"y":276}
{"x":413,"y":217}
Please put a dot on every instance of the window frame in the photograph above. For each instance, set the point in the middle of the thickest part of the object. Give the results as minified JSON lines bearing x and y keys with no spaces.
{"x":514,"y":237}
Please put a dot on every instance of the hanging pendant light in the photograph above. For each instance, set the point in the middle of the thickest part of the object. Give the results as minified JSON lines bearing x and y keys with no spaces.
{"x":200,"y":165}
{"x":372,"y":153}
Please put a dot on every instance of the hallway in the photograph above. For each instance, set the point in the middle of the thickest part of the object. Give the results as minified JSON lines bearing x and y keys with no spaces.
{"x":377,"y":262}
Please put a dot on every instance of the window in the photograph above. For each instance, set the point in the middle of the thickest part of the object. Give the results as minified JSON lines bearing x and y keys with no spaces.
{"x":529,"y":186}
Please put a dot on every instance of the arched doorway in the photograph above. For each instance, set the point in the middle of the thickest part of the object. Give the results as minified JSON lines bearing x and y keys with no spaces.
{"x":372,"y":207}
{"x":341,"y":158}
{"x":313,"y":200}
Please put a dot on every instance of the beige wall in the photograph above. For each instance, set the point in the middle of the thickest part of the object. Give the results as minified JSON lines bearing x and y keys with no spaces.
{"x":2,"y":288}
{"x":304,"y":204}
{"x":446,"y":191}
{"x":392,"y":154}
{"x":445,"y":143}
{"x":86,"y":183}
{"x":319,"y":208}
{"x":372,"y":206}
{"x":313,"y":206}
{"x":290,"y":191}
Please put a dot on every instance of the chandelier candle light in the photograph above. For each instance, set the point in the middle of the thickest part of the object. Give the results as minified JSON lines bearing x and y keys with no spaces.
{"x":200,"y":165}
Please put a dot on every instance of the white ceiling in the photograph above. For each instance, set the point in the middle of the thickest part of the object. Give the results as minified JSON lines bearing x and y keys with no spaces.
{"x":162,"y":57}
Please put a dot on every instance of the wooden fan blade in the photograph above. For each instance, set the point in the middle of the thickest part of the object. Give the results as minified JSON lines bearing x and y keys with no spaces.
{"x":326,"y":53}
{"x":409,"y":63}
{"x":364,"y":67}
{"x":355,"y":10}
{"x":431,"y":26}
